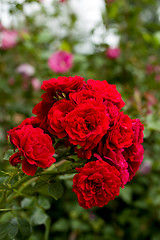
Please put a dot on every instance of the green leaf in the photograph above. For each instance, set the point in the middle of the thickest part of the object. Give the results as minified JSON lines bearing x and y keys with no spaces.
{"x":44,"y":202}
{"x":27,"y":203}
{"x":154,"y":126}
{"x":39,"y":217}
{"x":65,"y":46}
{"x":8,"y":154}
{"x":24,"y":227}
{"x":62,"y":225}
{"x":55,"y":190}
{"x":8,"y":229}
{"x":126,"y":194}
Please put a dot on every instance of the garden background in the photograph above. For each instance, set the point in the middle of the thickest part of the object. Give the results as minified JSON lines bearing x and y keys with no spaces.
{"x":44,"y":27}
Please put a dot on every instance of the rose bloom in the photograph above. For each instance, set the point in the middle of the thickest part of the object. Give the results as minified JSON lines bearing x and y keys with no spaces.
{"x":25,"y":69}
{"x":42,"y":109}
{"x":138,"y":128}
{"x":134,"y":154}
{"x":56,"y":117}
{"x":85,"y":95}
{"x":113,"y":53}
{"x":96,"y":184}
{"x":61,"y":85}
{"x":116,"y":159}
{"x":60,"y":62}
{"x":157,"y":78}
{"x":106,"y":91}
{"x":34,"y":148}
{"x":120,"y":134}
{"x":87,"y":124}
{"x":112,"y":111}
{"x":134,"y":158}
{"x":8,"y":39}
{"x":150,"y":69}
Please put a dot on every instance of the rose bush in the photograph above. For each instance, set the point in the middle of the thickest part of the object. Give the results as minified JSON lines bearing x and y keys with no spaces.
{"x":85,"y":118}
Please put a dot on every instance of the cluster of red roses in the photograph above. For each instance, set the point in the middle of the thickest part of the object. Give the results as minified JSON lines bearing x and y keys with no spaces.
{"x":87,"y":115}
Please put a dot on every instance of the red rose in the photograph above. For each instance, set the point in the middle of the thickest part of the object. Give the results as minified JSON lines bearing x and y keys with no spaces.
{"x":121,"y":134}
{"x":134,"y":158}
{"x":42,"y":109}
{"x":84,"y":154}
{"x":134,"y":154}
{"x":28,"y":121}
{"x":112,"y":111}
{"x":15,"y":159}
{"x":116,"y":159}
{"x":87,"y":124}
{"x":34,"y":146}
{"x":138,"y":128}
{"x":96,"y":184}
{"x":107,"y":91}
{"x":57,"y":115}
{"x":63,"y":84}
{"x":85,"y":95}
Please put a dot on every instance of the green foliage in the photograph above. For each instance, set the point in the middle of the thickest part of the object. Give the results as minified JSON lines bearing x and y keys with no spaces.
{"x":8,"y":154}
{"x":55,"y":189}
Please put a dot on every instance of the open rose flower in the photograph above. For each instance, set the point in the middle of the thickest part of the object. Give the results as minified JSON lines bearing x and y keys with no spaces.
{"x":42,"y":109}
{"x":85,"y":95}
{"x":112,"y":111}
{"x":56,"y":117}
{"x":107,"y":91}
{"x":115,"y":158}
{"x":63,"y":85}
{"x":87,"y":124}
{"x":34,"y":149}
{"x":60,"y":61}
{"x":134,"y":154}
{"x":121,"y":134}
{"x":96,"y":184}
{"x":134,"y":158}
{"x":138,"y":128}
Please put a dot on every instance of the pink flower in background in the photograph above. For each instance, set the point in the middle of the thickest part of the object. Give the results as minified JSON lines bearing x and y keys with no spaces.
{"x":62,"y":1}
{"x":113,"y":53}
{"x":157,"y":68}
{"x":8,"y":39}
{"x":149,"y":69}
{"x":157,"y":78}
{"x":60,"y":61}
{"x":25,"y":69}
{"x":145,"y":167}
{"x":36,"y":84}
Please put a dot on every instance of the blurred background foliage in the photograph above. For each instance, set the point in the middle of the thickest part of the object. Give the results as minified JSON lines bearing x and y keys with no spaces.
{"x":43,"y":29}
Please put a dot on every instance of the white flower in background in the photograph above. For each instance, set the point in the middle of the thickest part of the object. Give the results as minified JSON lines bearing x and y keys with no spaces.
{"x":26,"y":69}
